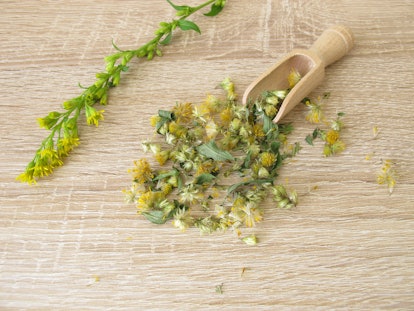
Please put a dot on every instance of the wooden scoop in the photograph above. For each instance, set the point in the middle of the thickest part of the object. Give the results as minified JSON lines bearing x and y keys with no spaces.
{"x":332,"y":45}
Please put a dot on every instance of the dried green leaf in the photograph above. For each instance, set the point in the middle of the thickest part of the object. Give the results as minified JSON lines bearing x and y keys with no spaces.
{"x":309,"y":139}
{"x":211,"y":150}
{"x":232,"y":188}
{"x":204,"y":179}
{"x":156,"y":217}
{"x":173,"y":172}
{"x":274,"y":146}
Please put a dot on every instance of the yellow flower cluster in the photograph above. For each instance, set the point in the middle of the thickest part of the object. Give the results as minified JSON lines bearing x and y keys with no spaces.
{"x":141,"y":172}
{"x":48,"y":157}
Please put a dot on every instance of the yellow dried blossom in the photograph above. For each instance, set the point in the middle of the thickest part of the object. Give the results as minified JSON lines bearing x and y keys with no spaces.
{"x":246,"y":211}
{"x":267,"y":159}
{"x":183,"y":112}
{"x":167,"y":189}
{"x":228,"y":86}
{"x":211,"y":104}
{"x":387,"y":175}
{"x":250,"y":240}
{"x":332,"y":136}
{"x":211,"y":129}
{"x":176,"y":129}
{"x":154,"y":120}
{"x":141,"y":172}
{"x":338,"y":147}
{"x":182,"y":219}
{"x":271,"y":111}
{"x":226,"y":116}
{"x":162,"y":156}
{"x":258,"y":130}
{"x":146,"y":201}
{"x":315,"y":113}
{"x":293,"y":78}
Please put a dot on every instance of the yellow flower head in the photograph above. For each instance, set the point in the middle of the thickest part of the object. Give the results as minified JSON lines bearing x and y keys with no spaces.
{"x":162,"y":157}
{"x":226,"y":116}
{"x":142,"y":171}
{"x":93,"y":116}
{"x":315,"y":113}
{"x":338,"y":147}
{"x":258,"y":130}
{"x":154,"y":120}
{"x":248,"y":213}
{"x":332,"y":136}
{"x":176,"y":129}
{"x":387,"y":175}
{"x":267,"y":159}
{"x":182,"y":219}
{"x":167,"y":189}
{"x":228,"y":86}
{"x":293,"y":77}
{"x":211,"y":104}
{"x":183,"y":112}
{"x":211,"y":129}
{"x":27,"y":177}
{"x":146,"y":201}
{"x":49,"y":158}
{"x":66,"y":145}
{"x":270,"y":111}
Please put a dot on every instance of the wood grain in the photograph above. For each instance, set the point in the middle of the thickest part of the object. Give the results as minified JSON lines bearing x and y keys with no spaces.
{"x":72,"y":243}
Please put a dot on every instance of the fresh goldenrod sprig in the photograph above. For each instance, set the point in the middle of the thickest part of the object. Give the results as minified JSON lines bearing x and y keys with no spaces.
{"x":63,"y":126}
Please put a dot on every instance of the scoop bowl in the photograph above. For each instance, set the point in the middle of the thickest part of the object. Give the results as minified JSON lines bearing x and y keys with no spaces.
{"x":333,"y":44}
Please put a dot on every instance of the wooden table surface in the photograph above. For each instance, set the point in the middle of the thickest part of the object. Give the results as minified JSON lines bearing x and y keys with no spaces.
{"x":71,"y":242}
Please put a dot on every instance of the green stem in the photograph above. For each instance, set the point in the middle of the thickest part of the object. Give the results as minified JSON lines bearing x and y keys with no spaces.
{"x":197,"y":8}
{"x":98,"y":92}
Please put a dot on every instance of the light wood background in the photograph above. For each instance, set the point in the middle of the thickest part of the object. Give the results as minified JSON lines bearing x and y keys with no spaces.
{"x":72,"y":243}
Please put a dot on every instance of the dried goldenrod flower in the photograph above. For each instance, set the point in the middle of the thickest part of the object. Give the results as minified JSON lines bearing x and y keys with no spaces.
{"x":176,"y":129}
{"x":267,"y":159}
{"x":250,"y":240}
{"x":148,"y":200}
{"x":293,"y":78}
{"x":211,"y":130}
{"x":141,"y":172}
{"x":315,"y":113}
{"x":226,"y":116}
{"x":228,"y":86}
{"x":154,"y":120}
{"x":182,"y":219}
{"x":387,"y":175}
{"x":183,"y":112}
{"x":284,"y":198}
{"x":332,"y":136}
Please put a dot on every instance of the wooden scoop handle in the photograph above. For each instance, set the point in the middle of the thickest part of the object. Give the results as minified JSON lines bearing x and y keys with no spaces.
{"x":333,"y":44}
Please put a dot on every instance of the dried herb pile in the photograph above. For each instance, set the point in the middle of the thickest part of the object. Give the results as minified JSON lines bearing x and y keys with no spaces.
{"x":205,"y":148}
